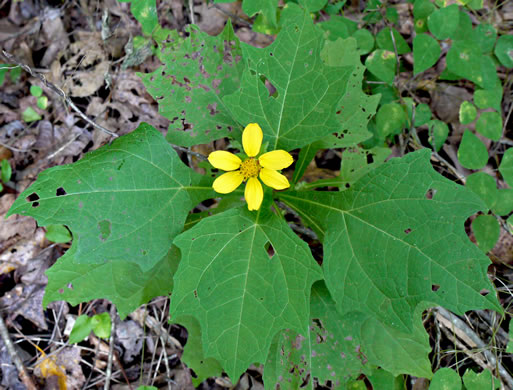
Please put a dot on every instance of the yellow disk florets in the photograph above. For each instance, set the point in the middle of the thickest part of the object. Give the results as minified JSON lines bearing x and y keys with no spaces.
{"x":250,"y":168}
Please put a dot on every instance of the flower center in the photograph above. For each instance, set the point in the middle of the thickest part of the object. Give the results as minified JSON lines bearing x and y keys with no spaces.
{"x":250,"y":168}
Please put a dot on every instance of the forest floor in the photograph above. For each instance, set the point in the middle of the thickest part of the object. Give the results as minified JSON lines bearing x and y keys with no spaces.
{"x":66,"y":41}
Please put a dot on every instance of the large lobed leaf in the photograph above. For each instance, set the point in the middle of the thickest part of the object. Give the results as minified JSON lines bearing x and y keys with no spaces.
{"x":396,"y":239}
{"x":338,"y":348}
{"x":197,"y":73}
{"x":244,"y":276}
{"x":303,"y":107}
{"x":125,"y":202}
{"x":123,"y":283}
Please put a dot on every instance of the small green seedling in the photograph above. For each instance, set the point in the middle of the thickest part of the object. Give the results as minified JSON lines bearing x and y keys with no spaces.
{"x":100,"y":324}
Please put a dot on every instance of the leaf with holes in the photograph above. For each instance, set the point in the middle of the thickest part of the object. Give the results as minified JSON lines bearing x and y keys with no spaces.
{"x":287,"y":89}
{"x":354,"y":109}
{"x":420,"y":253}
{"x":197,"y":73}
{"x":339,"y":347}
{"x":244,"y":276}
{"x":125,"y":202}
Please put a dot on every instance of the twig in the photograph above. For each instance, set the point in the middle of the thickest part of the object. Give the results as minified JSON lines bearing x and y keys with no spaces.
{"x":108,"y":372}
{"x":191,"y":9}
{"x":58,"y":91}
{"x":22,"y":372}
{"x":63,"y":95}
{"x":463,"y":327}
{"x":190,"y":152}
{"x":232,"y":15}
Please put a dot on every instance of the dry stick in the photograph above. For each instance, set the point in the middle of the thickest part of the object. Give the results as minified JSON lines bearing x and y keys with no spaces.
{"x":108,"y":373}
{"x":56,"y":90}
{"x":461,"y":325}
{"x":191,"y":8}
{"x":61,"y":93}
{"x":22,"y":372}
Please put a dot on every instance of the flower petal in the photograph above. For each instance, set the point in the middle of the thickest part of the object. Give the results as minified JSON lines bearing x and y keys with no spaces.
{"x":227,"y":182}
{"x":226,"y":161}
{"x":277,"y":159}
{"x":252,"y":139}
{"x":254,"y":193}
{"x":274,"y":179}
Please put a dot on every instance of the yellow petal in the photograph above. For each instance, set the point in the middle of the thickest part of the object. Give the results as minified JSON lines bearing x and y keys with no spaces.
{"x":224,"y":160}
{"x":254,"y":193}
{"x":227,"y":182}
{"x":274,"y":179}
{"x":252,"y":139}
{"x":277,"y":159}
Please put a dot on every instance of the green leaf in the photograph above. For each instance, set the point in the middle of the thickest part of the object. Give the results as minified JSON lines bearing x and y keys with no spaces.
{"x":365,"y":41}
{"x":466,"y":60}
{"x":58,"y":234}
{"x":438,"y":133}
{"x":485,"y":35}
{"x":124,"y":202}
{"x":472,"y":153}
{"x":382,"y":64}
{"x":421,"y":25}
{"x":122,"y":283}
{"x":444,"y":21}
{"x":489,"y":98}
{"x":5,"y":171}
{"x":30,"y":115}
{"x":198,"y":72}
{"x":412,"y":215}
{"x":504,"y":203}
{"x":333,"y":29}
{"x":355,"y":108}
{"x":390,"y":119}
{"x":383,"y":380}
{"x":315,"y":5}
{"x":354,"y":162}
{"x":484,"y":186}
{"x":483,"y":380}
{"x":145,"y":12}
{"x":486,"y":230}
{"x":392,"y":15}
{"x":36,"y":90}
{"x":489,"y":125}
{"x":445,"y":379}
{"x":423,"y":8}
{"x":267,"y":7}
{"x":422,"y":114}
{"x":101,"y":325}
{"x":384,"y":41}
{"x":426,"y":52}
{"x":81,"y":329}
{"x":307,"y":90}
{"x":193,"y":355}
{"x":338,"y":27}
{"x":506,"y":166}
{"x":244,"y":276}
{"x":42,"y":102}
{"x":464,"y":29}
{"x":147,"y":388}
{"x":504,"y":50}
{"x":467,"y":113}
{"x":340,"y":347}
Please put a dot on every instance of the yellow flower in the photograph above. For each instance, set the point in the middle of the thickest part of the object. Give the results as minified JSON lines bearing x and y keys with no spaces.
{"x":265,"y":167}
